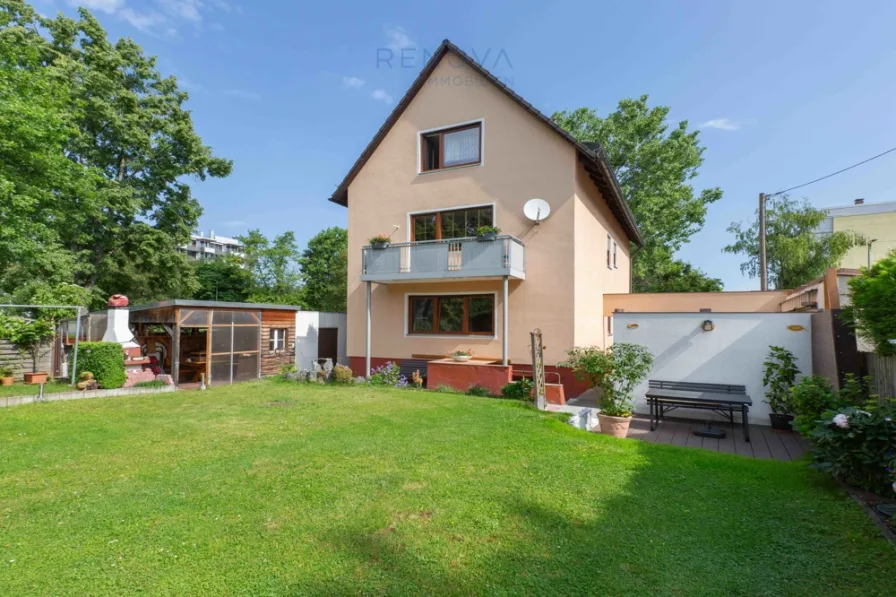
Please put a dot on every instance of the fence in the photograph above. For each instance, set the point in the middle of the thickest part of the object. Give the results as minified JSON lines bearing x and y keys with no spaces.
{"x":10,"y":356}
{"x":883,"y":374}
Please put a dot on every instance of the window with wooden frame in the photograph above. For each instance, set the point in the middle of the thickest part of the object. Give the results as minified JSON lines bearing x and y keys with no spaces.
{"x":451,"y":147}
{"x":278,"y":339}
{"x":465,"y":315}
{"x":609,"y":325}
{"x":456,"y":223}
{"x":609,"y":252}
{"x":615,"y":247}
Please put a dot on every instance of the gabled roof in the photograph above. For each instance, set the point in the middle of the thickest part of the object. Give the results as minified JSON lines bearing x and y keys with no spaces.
{"x":591,"y":155}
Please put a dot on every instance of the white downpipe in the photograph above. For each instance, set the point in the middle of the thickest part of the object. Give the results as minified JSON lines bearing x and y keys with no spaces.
{"x":367,"y":353}
{"x":504,"y":325}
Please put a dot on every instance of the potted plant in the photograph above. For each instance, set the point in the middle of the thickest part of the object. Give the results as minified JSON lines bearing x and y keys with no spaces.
{"x":6,"y":375}
{"x":462,"y":356}
{"x":616,"y":371}
{"x":487,"y":232}
{"x":29,"y":337}
{"x":380,"y":241}
{"x":780,"y":375}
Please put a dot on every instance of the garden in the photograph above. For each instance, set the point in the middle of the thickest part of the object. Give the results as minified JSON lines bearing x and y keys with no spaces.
{"x":282,"y":488}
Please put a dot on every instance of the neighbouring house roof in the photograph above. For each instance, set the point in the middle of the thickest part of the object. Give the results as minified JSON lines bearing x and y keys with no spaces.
{"x":591,"y":155}
{"x":213,"y":305}
{"x":862,"y":209}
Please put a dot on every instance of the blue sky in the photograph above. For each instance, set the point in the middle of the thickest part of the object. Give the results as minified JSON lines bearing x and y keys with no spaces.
{"x":291,"y":91}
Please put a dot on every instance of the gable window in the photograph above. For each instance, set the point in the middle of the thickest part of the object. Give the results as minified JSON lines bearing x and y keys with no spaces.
{"x":458,"y":223}
{"x":451,"y":147}
{"x":278,"y":339}
{"x":609,"y":251}
{"x":468,"y":315}
{"x":614,"y":255}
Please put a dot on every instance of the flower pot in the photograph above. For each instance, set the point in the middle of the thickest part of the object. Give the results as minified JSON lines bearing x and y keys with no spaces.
{"x":461,"y":358}
{"x":780,"y":421}
{"x":379,"y":246}
{"x":7,"y":381}
{"x":37,"y":377}
{"x":488,"y":236}
{"x":615,"y":426}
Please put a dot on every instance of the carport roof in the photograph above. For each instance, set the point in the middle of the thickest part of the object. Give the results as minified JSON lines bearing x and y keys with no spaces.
{"x":189,"y":303}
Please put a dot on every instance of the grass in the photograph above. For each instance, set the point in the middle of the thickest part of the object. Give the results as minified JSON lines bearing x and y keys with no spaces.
{"x":272,"y":488}
{"x":20,"y":389}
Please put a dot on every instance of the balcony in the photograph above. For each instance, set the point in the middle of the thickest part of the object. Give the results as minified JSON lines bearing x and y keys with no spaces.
{"x":457,"y":258}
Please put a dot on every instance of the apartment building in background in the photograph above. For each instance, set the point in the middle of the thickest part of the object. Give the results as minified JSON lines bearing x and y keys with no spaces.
{"x":212,"y":246}
{"x":875,"y":221}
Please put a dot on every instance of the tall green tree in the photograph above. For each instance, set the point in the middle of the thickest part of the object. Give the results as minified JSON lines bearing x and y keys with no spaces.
{"x":324,"y":271}
{"x":223,"y":279}
{"x":873,"y":308}
{"x":274,"y":268}
{"x":654,"y":166}
{"x":795,"y":252}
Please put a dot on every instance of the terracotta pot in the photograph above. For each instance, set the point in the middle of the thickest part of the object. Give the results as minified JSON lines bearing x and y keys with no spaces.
{"x":615,"y":426}
{"x":7,"y":381}
{"x":38,"y":377}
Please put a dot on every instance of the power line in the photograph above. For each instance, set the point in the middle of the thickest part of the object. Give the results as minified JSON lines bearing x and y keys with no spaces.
{"x":805,"y":184}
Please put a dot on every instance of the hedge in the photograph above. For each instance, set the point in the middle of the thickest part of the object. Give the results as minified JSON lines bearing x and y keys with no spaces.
{"x":105,"y":360}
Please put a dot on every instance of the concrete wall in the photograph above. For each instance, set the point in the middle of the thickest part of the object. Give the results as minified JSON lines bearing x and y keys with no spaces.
{"x":307,"y":325}
{"x":691,"y":302}
{"x":732,"y":353}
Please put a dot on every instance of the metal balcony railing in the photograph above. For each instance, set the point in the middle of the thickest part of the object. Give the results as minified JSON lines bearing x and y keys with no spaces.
{"x":445,"y":259}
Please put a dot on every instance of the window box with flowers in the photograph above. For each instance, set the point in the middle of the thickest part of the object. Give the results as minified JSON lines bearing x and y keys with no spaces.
{"x":380,"y":241}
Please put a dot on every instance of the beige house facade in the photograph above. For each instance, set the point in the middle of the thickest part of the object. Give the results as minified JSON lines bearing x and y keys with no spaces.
{"x":461,"y":151}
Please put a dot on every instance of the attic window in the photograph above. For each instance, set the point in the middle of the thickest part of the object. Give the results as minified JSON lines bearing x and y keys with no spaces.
{"x":451,"y":147}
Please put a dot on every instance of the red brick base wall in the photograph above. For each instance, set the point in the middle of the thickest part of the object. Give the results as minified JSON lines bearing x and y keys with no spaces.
{"x":461,"y":376}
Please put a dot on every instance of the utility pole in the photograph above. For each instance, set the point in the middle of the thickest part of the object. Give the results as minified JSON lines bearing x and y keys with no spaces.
{"x":763,"y":265}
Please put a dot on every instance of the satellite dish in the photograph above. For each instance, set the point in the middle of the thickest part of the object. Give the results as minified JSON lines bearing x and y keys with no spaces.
{"x":537,"y":210}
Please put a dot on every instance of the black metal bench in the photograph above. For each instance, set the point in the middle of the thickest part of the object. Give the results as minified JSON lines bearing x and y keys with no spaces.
{"x":409,"y":366}
{"x":723,"y":399}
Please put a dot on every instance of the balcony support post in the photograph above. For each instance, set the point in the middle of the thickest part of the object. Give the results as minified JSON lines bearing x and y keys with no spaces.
{"x":504,"y":330}
{"x":367,"y":353}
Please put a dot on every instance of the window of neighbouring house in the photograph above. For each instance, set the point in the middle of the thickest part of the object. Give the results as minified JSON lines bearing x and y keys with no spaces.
{"x":278,"y":339}
{"x":609,"y":325}
{"x":609,"y":253}
{"x":615,"y":247}
{"x":457,"y":223}
{"x":451,"y":147}
{"x":452,"y":314}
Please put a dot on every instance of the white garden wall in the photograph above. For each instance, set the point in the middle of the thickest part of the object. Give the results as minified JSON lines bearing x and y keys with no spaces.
{"x":307,"y":325}
{"x":732,"y":353}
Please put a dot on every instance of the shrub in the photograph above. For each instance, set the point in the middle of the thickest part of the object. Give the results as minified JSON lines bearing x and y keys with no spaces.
{"x":478,"y":390}
{"x":856,"y":391}
{"x":388,"y":375}
{"x":6,"y":371}
{"x":445,"y":389}
{"x":342,"y":374}
{"x":150,"y":384}
{"x":873,"y":295}
{"x":105,"y":360}
{"x":780,"y":374}
{"x":809,"y":400}
{"x":857,"y":446}
{"x":287,"y":368}
{"x":521,"y":389}
{"x":616,"y":371}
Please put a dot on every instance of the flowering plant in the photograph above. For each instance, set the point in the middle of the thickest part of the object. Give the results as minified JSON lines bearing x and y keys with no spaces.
{"x":388,"y":375}
{"x":380,"y":239}
{"x":462,"y":353}
{"x":484,"y":230}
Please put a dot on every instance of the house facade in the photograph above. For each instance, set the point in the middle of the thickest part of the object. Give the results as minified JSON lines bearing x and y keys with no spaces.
{"x":460,"y":151}
{"x":875,"y":221}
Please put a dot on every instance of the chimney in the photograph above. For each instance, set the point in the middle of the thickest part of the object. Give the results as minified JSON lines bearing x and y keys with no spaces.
{"x":117,"y":324}
{"x":860,"y":201}
{"x":211,"y":234}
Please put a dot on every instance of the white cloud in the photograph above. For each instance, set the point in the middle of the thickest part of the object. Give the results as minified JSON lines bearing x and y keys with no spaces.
{"x":144,"y":21}
{"x":722,"y":124}
{"x":187,"y":10}
{"x":242,"y":94}
{"x":352,"y":82}
{"x":397,"y":38}
{"x":382,"y":96}
{"x":107,"y":6}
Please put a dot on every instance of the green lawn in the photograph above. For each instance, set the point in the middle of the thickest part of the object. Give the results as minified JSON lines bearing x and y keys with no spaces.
{"x":20,"y":389}
{"x":273,"y":488}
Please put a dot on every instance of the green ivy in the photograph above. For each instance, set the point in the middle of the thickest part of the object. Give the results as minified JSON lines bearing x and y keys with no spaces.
{"x":105,"y":360}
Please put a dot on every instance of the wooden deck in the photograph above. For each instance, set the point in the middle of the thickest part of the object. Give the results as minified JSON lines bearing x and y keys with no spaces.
{"x":764,"y":442}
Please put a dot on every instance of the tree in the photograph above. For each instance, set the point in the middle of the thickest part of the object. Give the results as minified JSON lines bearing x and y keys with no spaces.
{"x":653,"y":167}
{"x":674,"y":275}
{"x":873,"y":308}
{"x":223,"y":279}
{"x":796,"y":252}
{"x":272,"y":264}
{"x":28,"y":335}
{"x":102,"y":199}
{"x":325,"y":271}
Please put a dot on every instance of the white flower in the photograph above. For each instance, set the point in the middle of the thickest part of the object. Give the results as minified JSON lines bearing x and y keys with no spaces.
{"x":841,"y":421}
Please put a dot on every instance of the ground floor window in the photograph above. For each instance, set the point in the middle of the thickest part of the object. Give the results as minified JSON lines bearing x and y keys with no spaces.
{"x":472,"y":314}
{"x":278,"y":339}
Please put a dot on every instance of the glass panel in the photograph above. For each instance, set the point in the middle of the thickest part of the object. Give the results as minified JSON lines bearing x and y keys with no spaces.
{"x":422,"y":314}
{"x":461,"y":147}
{"x":220,"y":369}
{"x":220,"y":338}
{"x":452,"y":225}
{"x":246,"y":338}
{"x":431,"y":152}
{"x":425,"y":227}
{"x":222,"y":317}
{"x":192,"y":319}
{"x":451,"y":314}
{"x":481,"y":314}
{"x":246,"y":317}
{"x":245,"y":366}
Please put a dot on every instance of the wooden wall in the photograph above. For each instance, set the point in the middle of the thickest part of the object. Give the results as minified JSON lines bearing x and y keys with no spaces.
{"x":270,"y":362}
{"x":9,"y":355}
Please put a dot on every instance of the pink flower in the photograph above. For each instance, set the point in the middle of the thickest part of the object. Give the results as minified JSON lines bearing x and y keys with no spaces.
{"x":841,"y":421}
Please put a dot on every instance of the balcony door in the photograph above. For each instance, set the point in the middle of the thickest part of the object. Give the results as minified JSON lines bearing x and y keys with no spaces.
{"x":448,"y":225}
